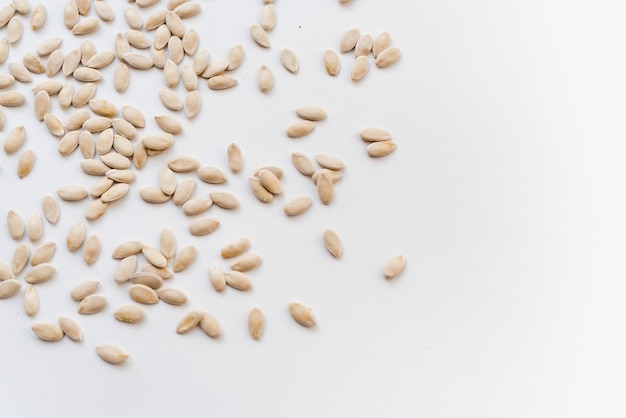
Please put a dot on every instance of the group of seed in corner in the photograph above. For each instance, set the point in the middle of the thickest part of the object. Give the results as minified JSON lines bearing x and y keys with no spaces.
{"x":106,"y":142}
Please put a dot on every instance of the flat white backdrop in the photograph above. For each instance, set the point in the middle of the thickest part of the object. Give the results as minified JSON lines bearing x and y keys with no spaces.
{"x":506,"y":194}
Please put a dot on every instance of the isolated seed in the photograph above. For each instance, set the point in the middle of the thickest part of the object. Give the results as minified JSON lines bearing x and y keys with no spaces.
{"x":333,"y":243}
{"x":236,"y":247}
{"x":374,"y":135}
{"x":20,"y":258}
{"x":380,"y":149}
{"x":394,"y":266}
{"x":268,"y":17}
{"x":84,"y":289}
{"x":183,"y":164}
{"x":247,"y":262}
{"x":15,"y":30}
{"x":270,"y":181}
{"x":94,"y":167}
{"x":121,"y":78}
{"x":15,"y":139}
{"x":9,"y":288}
{"x":47,"y":331}
{"x":203,"y":226}
{"x":143,"y":294}
{"x":43,"y":254}
{"x":170,"y":100}
{"x":115,"y":192}
{"x":95,"y":210}
{"x":127,"y":249}
{"x":130,"y":314}
{"x":153,"y":194}
{"x":38,"y":19}
{"x":85,"y":26}
{"x":300,"y":128}
{"x":76,"y":236}
{"x":189,"y":322}
{"x":169,"y":124}
{"x":69,"y":326}
{"x":35,"y":227}
{"x":221,"y":82}
{"x":111,"y":353}
{"x":303,"y":164}
{"x":51,"y":209}
{"x":15,"y":224}
{"x":12,"y":98}
{"x":40,"y":273}
{"x":152,"y":280}
{"x":51,"y":87}
{"x":115,"y":161}
{"x":302,"y":314}
{"x":260,"y":36}
{"x":289,"y":60}
{"x":349,"y":40}
{"x":134,"y":116}
{"x":172,"y":296}
{"x":31,"y":300}
{"x":5,"y":271}
{"x":209,"y":324}
{"x":213,"y":175}
{"x":217,"y":278}
{"x":224,"y":200}
{"x":235,"y":57}
{"x":235,"y":158}
{"x":360,"y":68}
{"x":238,"y":280}
{"x":33,"y":64}
{"x":256,"y":323}
{"x":93,"y":247}
{"x":312,"y":113}
{"x":388,"y":57}
{"x":259,"y":191}
{"x":298,"y":206}
{"x":266,"y":79}
{"x":185,"y":258}
{"x":197,"y":206}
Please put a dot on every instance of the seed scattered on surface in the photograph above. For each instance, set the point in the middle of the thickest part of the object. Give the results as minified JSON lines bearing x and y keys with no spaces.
{"x":302,"y":314}
{"x":172,"y":296}
{"x":72,"y":193}
{"x":35,"y":227}
{"x":43,"y":254}
{"x":146,"y":278}
{"x":333,"y":243}
{"x":224,"y":200}
{"x":25,"y":163}
{"x":15,"y":139}
{"x":192,"y":104}
{"x":12,"y":99}
{"x":235,"y":158}
{"x":247,"y":262}
{"x":84,"y":289}
{"x":31,"y":300}
{"x":125,"y":269}
{"x":127,"y":248}
{"x":235,"y":57}
{"x":330,"y":162}
{"x":183,"y":192}
{"x":349,"y":40}
{"x":95,"y":210}
{"x":289,"y":60}
{"x":268,"y":17}
{"x":143,"y":294}
{"x":203,"y":226}
{"x":236,"y":247}
{"x":260,"y":36}
{"x":38,"y":19}
{"x":92,"y":304}
{"x":209,"y":324}
{"x":298,"y":206}
{"x":15,"y":222}
{"x":374,"y":135}
{"x":300,"y":128}
{"x":9,"y":288}
{"x":380,"y":149}
{"x":216,"y":275}
{"x":111,"y":353}
{"x":51,"y":209}
{"x":259,"y":191}
{"x":47,"y":331}
{"x":256,"y":323}
{"x":388,"y":57}
{"x":221,"y":82}
{"x":382,"y":42}
{"x":130,"y":314}
{"x":213,"y":175}
{"x":197,"y":206}
{"x":154,"y":256}
{"x":41,"y":273}
{"x":185,"y":258}
{"x":312,"y":113}
{"x":364,"y":45}
{"x":238,"y":280}
{"x":20,"y":259}
{"x":266,"y":78}
{"x":394,"y":266}
{"x":76,"y":236}
{"x":360,"y":68}
{"x":303,"y":164}
{"x":71,"y":327}
{"x":152,"y":194}
{"x":5,"y":271}
{"x":189,"y":322}
{"x":86,"y":26}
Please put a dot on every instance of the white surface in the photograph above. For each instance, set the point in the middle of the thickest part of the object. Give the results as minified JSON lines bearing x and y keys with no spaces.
{"x":506,"y":194}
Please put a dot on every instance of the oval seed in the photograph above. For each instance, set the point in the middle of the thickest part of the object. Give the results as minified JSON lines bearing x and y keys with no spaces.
{"x":302,"y":314}
{"x":72,"y":193}
{"x":188,"y":9}
{"x":153,"y":194}
{"x":93,"y":247}
{"x":209,"y":324}
{"x":70,"y":327}
{"x":154,"y":256}
{"x":127,"y":248}
{"x":382,"y":42}
{"x":185,"y":258}
{"x":236,"y":247}
{"x":256,"y":323}
{"x":247,"y":262}
{"x":167,"y":242}
{"x":360,"y":68}
{"x":217,"y":278}
{"x":221,"y":82}
{"x":12,"y":99}
{"x":374,"y":135}
{"x":203,"y":226}
{"x":20,"y":258}
{"x":155,"y":19}
{"x":169,"y":124}
{"x":266,"y":78}
{"x":388,"y":57}
{"x":85,"y":26}
{"x":183,"y":164}
{"x":51,"y":209}
{"x":175,"y":49}
{"x":15,"y":29}
{"x":20,"y":72}
{"x":380,"y":149}
{"x":192,"y":104}
{"x":259,"y":191}
{"x":5,"y":271}
{"x":164,"y":273}
{"x":125,"y":269}
{"x":170,"y":100}
{"x":9,"y":288}
{"x":133,"y":18}
{"x":289,"y":60}
{"x":260,"y":36}
{"x":300,"y":128}
{"x":111,"y":353}
{"x":303,"y":164}
{"x":138,"y":61}
{"x":189,"y":77}
{"x":189,"y":322}
{"x":95,"y":210}
{"x":312,"y":113}
{"x":54,"y":63}
{"x":31,"y":300}
{"x":224,"y":200}
{"x":270,"y":182}
{"x":84,"y":289}
{"x":238,"y":280}
{"x":190,"y":42}
{"x":213,"y":175}
{"x":130,"y":314}
{"x":235,"y":57}
{"x":76,"y":236}
{"x":35,"y":227}
{"x":349,"y":40}
{"x":325,"y":189}
{"x":16,"y":225}
{"x":43,"y":254}
{"x":235,"y":158}
{"x":54,"y":125}
{"x":183,"y":192}
{"x":38,"y":19}
{"x":41,"y":273}
{"x":330,"y":162}
{"x":143,"y":294}
{"x":197,"y":206}
{"x":268,"y":17}
{"x":47,"y":332}
{"x":172,"y":296}
{"x":152,"y":280}
{"x":333,"y":243}
{"x":298,"y":205}
{"x":115,"y":192}
{"x":15,"y":139}
{"x":364,"y":45}
{"x":394,"y":266}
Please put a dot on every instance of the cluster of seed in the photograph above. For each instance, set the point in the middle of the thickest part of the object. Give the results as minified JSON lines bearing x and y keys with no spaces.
{"x":104,"y":135}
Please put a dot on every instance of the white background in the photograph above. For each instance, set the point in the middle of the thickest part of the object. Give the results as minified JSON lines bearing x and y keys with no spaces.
{"x":506,"y":194}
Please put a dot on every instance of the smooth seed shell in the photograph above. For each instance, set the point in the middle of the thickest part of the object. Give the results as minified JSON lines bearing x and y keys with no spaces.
{"x":189,"y":322}
{"x":256,"y":323}
{"x":394,"y":266}
{"x":47,"y":331}
{"x":84,"y":289}
{"x":302,"y":314}
{"x":111,"y":353}
{"x":71,"y":328}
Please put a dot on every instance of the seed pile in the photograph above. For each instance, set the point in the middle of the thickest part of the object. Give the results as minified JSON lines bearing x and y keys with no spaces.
{"x":114,"y":148}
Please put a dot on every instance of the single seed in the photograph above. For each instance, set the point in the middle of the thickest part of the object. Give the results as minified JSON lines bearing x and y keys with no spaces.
{"x":69,"y":326}
{"x":35,"y":227}
{"x":217,"y":278}
{"x":134,"y":116}
{"x":54,"y":125}
{"x":190,"y":42}
{"x":167,"y":181}
{"x":137,"y":39}
{"x":95,"y":210}
{"x":121,"y":176}
{"x":189,"y":322}
{"x":259,"y":191}
{"x":289,"y":60}
{"x":43,"y":254}
{"x":209,"y":324}
{"x":303,"y":164}
{"x":270,"y":182}
{"x":374,"y":135}
{"x":213,"y":175}
{"x":300,"y":128}
{"x":133,"y":18}
{"x":15,"y":139}
{"x":130,"y":314}
{"x":77,"y":119}
{"x":12,"y":98}
{"x":172,"y":296}
{"x":325,"y":189}
{"x":154,"y":256}
{"x":216,"y":68}
{"x":138,"y":61}
{"x":115,"y":192}
{"x":169,"y":125}
{"x":158,"y":142}
{"x":143,"y":294}
{"x":9,"y":288}
{"x":66,"y":95}
{"x":155,"y":19}
{"x":394,"y":266}
{"x":51,"y":87}
{"x":15,"y":224}
{"x":203,"y":226}
{"x":94,"y":167}
{"x":236,"y":247}
{"x":268,"y":17}
{"x":87,"y":50}
{"x":200,"y":62}
{"x":20,"y":259}
{"x":33,"y":64}
{"x":40,"y":273}
{"x":125,"y":269}
{"x":256,"y":323}
{"x":124,"y":128}
{"x":20,"y":72}
{"x":170,"y":100}
{"x":298,"y":206}
{"x":183,"y":192}
{"x":111,"y":353}
{"x":247,"y":262}
{"x":127,"y":249}
{"x":171,"y":74}
{"x":221,"y":82}
{"x":84,"y":289}
{"x":175,"y":24}
{"x":189,"y":78}
{"x":6,"y":80}
{"x":238,"y":280}
{"x":76,"y":236}
{"x":312,"y":113}
{"x":380,"y":149}
{"x":51,"y":209}
{"x":102,"y":59}
{"x":31,"y":300}
{"x":364,"y":45}
{"x":153,"y":194}
{"x":84,"y":94}
{"x":188,"y":9}
{"x":71,"y":62}
{"x":25,"y":163}
{"x":83,"y":6}
{"x":15,"y":29}
{"x":115,"y":161}
{"x":360,"y":68}
{"x":72,"y":193}
{"x":302,"y":314}
{"x":152,"y":280}
{"x":183,"y":164}
{"x":85,"y":26}
{"x":6,"y":13}
{"x":197,"y":206}
{"x":92,"y":249}
{"x":5,"y":272}
{"x":168,"y":243}
{"x":123,"y":146}
{"x":349,"y":40}
{"x":22,"y":6}
{"x":47,"y":331}
{"x":164,"y":273}
{"x":121,"y":78}
{"x":260,"y":36}
{"x":100,"y":187}
{"x":224,"y":200}
{"x":383,"y":41}
{"x":54,"y":64}
{"x":388,"y":57}
{"x":38,"y":19}
{"x":192,"y":104}
{"x":333,"y":243}
{"x":266,"y":78}
{"x":330,"y":162}
{"x":48,"y":46}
